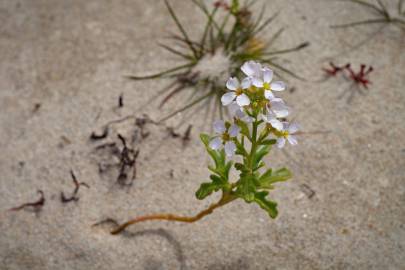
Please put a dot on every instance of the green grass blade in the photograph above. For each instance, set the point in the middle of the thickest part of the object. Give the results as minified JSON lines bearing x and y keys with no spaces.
{"x":283,"y":69}
{"x":191,"y":104}
{"x":372,"y":21}
{"x":259,"y":18}
{"x":183,"y":32}
{"x":275,"y":36}
{"x":185,"y":56}
{"x":266,"y":22}
{"x":383,"y":9}
{"x":365,"y":4}
{"x":160,"y":74}
{"x":207,"y":27}
{"x":221,"y":34}
{"x":297,"y":48}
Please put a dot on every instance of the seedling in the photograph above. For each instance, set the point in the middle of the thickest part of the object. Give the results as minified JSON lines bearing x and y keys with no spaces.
{"x":359,"y":78}
{"x":230,"y":37}
{"x":242,"y":143}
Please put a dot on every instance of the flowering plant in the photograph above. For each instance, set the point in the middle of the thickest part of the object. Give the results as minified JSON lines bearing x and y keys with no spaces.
{"x":256,"y":125}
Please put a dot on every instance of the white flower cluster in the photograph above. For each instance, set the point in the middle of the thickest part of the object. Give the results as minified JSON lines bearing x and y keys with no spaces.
{"x":255,"y":89}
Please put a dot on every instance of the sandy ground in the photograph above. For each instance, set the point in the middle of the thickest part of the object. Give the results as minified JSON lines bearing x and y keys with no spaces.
{"x":69,"y":56}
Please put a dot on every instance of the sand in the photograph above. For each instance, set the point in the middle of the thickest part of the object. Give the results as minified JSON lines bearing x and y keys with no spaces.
{"x":70,"y":57}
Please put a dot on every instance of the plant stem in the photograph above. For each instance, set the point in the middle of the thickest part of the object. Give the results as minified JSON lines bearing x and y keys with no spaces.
{"x":226,"y":198}
{"x":254,"y":144}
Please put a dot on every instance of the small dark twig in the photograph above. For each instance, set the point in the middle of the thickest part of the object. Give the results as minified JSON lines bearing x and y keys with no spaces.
{"x":172,"y":132}
{"x":37,"y":205}
{"x":128,"y":158}
{"x":140,"y":123}
{"x":73,"y":197}
{"x":104,"y":221}
{"x":121,"y":101}
{"x":187,"y":135}
{"x":94,"y":136}
{"x":307,"y":190}
{"x":37,"y":106}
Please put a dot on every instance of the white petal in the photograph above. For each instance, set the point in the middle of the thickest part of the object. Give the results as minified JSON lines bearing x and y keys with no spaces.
{"x":234,"y":131}
{"x":269,"y":95}
{"x":251,"y":68}
{"x":247,"y":119}
{"x":292,"y":139}
{"x":219,"y":127}
{"x":280,"y":142}
{"x":243,"y":100}
{"x":216,"y":143}
{"x":277,"y":86}
{"x":276,"y":99}
{"x":279,"y":109}
{"x":276,"y":124}
{"x":267,"y":75}
{"x":246,"y":83}
{"x":233,"y":108}
{"x":230,"y":148}
{"x":227,"y":98}
{"x":240,"y":114}
{"x":294,"y":127}
{"x":257,"y":81}
{"x":285,"y":125}
{"x":232,"y":83}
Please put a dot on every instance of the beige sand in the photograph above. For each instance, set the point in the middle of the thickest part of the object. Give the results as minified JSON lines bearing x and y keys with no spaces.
{"x":70,"y":56}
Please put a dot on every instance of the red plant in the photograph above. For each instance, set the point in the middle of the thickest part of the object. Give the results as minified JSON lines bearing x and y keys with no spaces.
{"x":357,"y":77}
{"x":221,"y":4}
{"x":360,"y":77}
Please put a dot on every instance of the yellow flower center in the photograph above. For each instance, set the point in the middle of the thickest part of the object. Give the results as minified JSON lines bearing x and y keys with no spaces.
{"x":239,"y":91}
{"x":226,"y":137}
{"x":266,"y":86}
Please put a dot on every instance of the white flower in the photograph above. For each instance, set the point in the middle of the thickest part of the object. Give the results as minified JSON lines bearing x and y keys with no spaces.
{"x":275,"y":105}
{"x":262,"y":76}
{"x":271,"y":118}
{"x":263,"y":80}
{"x":236,"y":111}
{"x":224,"y":136}
{"x":236,"y":91}
{"x":252,"y":69}
{"x":287,"y":134}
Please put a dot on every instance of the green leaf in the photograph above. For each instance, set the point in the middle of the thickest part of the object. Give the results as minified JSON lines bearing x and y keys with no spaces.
{"x":247,"y":187}
{"x":259,"y":154}
{"x":217,"y":156}
{"x":268,"y":142}
{"x":268,"y":178}
{"x":206,"y":189}
{"x":244,"y":129}
{"x":269,"y":206}
{"x":240,"y":149}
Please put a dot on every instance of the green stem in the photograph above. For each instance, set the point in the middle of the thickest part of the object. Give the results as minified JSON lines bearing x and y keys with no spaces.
{"x":254,"y":144}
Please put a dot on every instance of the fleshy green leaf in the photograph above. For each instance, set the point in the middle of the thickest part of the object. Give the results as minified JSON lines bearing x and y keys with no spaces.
{"x":206,"y":189}
{"x":247,"y":187}
{"x":268,"y":178}
{"x":244,"y":129}
{"x":259,"y":154}
{"x":269,"y":206}
{"x":269,"y":142}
